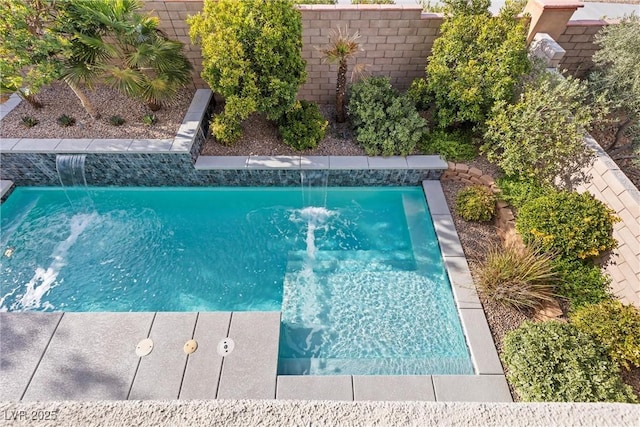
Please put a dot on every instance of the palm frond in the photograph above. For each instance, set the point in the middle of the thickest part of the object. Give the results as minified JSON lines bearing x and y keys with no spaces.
{"x":125,"y":80}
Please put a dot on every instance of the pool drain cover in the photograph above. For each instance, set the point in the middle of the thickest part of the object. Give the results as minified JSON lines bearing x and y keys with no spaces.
{"x":144,"y":347}
{"x":225,"y":347}
{"x":190,"y":346}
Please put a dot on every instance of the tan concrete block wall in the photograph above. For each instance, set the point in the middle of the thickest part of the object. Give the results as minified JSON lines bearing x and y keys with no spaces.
{"x":612,"y":187}
{"x":396,"y":40}
{"x":577,"y":40}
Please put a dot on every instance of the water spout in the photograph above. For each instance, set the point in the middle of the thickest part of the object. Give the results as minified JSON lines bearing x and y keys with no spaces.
{"x":70,"y":168}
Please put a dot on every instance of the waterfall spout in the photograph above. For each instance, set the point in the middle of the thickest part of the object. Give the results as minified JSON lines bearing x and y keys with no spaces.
{"x":70,"y":168}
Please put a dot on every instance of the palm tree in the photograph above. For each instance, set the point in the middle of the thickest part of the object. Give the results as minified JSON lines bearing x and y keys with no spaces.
{"x":138,"y":59}
{"x":342,"y":47}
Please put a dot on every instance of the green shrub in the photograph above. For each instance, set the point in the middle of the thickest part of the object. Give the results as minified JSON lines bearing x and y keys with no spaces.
{"x":116,"y":120}
{"x":252,"y":56}
{"x":315,"y":1}
{"x":517,"y":192}
{"x":454,"y":146}
{"x":149,"y":119}
{"x":477,"y":60}
{"x":29,"y":121}
{"x":581,"y":282}
{"x":515,"y":277}
{"x":616,"y":326}
{"x":303,"y":126}
{"x":575,"y":225}
{"x":541,"y":136}
{"x":556,"y":362}
{"x":476,"y":203}
{"x":385,"y":122}
{"x":65,"y":120}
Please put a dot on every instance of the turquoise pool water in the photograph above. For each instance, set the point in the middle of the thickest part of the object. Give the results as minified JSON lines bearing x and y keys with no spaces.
{"x":356,"y":272}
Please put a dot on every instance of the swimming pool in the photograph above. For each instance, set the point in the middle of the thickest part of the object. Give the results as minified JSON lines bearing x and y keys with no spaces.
{"x":356,"y":272}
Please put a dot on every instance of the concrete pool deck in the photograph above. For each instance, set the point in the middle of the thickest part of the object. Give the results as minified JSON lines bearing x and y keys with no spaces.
{"x":91,"y":356}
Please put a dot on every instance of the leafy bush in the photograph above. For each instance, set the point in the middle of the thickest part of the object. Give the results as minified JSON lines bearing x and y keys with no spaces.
{"x":29,"y":121}
{"x":541,"y":136}
{"x":149,"y":119}
{"x":65,"y":120}
{"x":575,"y":225}
{"x":303,"y":126}
{"x":517,"y":191}
{"x":116,"y":120}
{"x":516,"y":277}
{"x":556,"y":362}
{"x":385,"y":122}
{"x":454,"y":146}
{"x":477,"y":60}
{"x":616,"y":326}
{"x":581,"y":282}
{"x":252,"y":56}
{"x":476,"y":203}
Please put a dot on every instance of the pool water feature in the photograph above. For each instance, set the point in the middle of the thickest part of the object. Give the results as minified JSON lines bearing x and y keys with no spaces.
{"x":357,"y":274}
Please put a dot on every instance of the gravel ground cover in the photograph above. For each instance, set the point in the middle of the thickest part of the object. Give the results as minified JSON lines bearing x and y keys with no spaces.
{"x":58,"y":99}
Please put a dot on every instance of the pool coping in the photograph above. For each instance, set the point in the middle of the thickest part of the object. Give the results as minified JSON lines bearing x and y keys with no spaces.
{"x":59,"y":341}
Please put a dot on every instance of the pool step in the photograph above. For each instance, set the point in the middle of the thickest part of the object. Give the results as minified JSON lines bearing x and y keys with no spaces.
{"x":386,"y":366}
{"x":423,"y":238}
{"x":348,"y":261}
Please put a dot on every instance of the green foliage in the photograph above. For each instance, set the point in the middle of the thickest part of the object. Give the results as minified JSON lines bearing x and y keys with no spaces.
{"x":116,"y":120}
{"x":65,"y":120}
{"x":477,"y":61}
{"x":315,"y":1}
{"x":541,"y":136}
{"x":385,"y":122}
{"x":556,"y":362}
{"x":139,"y":61}
{"x":149,"y":119}
{"x":373,"y":2}
{"x":29,"y":121}
{"x":476,"y":203}
{"x":31,"y":48}
{"x":518,"y":278}
{"x":303,"y":126}
{"x":252,"y":56}
{"x":454,"y":146}
{"x":581,"y":282}
{"x":575,"y":225}
{"x":616,"y":326}
{"x":516,"y":191}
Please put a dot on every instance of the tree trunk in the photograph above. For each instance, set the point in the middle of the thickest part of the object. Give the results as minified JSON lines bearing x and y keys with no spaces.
{"x":31,"y":99}
{"x":88,"y":106}
{"x":153,"y":106}
{"x":341,"y":89}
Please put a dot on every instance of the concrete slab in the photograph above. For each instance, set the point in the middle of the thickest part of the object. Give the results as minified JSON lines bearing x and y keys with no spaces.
{"x":435,"y":197}
{"x":28,"y":145}
{"x":426,"y":162}
{"x":91,"y":357}
{"x":249,"y":371}
{"x":8,"y":106}
{"x":182,"y":143}
{"x":160,"y":373}
{"x":398,"y":388}
{"x":314,"y":162}
{"x":151,"y":145}
{"x":5,"y":186}
{"x":348,"y":162}
{"x":447,"y":235}
{"x":471,"y":388}
{"x":202,"y":375}
{"x":392,"y":162}
{"x":481,"y":346}
{"x":309,"y":387}
{"x":109,"y":145}
{"x":191,"y":120}
{"x":6,"y":144}
{"x":221,"y":162}
{"x":23,"y":339}
{"x":273,"y":162}
{"x":464,"y":290}
{"x":75,"y":145}
{"x":200,"y":100}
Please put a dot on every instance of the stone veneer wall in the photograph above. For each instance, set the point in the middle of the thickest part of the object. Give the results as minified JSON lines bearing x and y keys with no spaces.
{"x":577,"y":41}
{"x":396,"y":39}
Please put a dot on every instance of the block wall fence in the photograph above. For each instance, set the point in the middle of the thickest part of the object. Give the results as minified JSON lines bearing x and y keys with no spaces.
{"x":396,"y":39}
